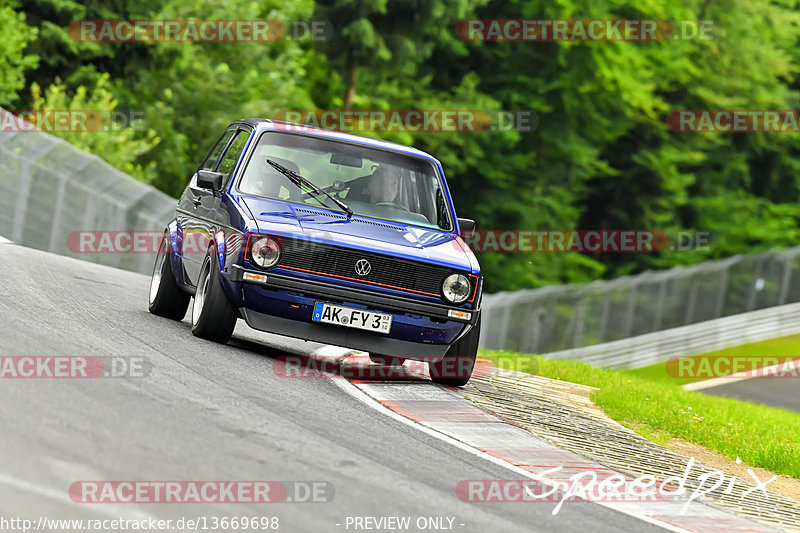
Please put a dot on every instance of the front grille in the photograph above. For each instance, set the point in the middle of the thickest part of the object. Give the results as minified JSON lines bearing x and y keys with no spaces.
{"x":386,"y":270}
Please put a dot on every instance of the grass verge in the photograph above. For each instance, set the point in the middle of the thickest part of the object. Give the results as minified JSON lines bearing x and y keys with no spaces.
{"x":762,"y":436}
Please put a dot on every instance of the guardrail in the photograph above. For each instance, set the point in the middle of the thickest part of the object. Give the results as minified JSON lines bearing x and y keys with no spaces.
{"x":49,"y":189}
{"x":709,"y":336}
{"x":567,"y":319}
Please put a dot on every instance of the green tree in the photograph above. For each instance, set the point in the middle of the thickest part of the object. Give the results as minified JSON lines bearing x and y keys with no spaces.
{"x":14,"y":59}
{"x":122,"y":146}
{"x":602,"y":156}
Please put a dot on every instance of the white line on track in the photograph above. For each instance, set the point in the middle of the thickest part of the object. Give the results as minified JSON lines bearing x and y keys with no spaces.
{"x":111,"y":511}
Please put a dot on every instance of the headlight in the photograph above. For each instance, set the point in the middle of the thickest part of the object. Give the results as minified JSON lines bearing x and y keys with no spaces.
{"x":265,"y":252}
{"x":456,"y":288}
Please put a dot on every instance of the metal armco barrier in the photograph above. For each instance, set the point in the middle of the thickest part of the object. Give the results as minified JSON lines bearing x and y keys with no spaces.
{"x":655,"y":307}
{"x":703,"y":337}
{"x":49,"y":189}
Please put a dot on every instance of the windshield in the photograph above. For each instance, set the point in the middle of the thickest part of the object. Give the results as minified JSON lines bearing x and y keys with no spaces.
{"x":372,"y":182}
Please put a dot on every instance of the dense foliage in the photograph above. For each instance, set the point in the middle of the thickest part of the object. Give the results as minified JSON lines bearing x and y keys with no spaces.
{"x":602,"y":155}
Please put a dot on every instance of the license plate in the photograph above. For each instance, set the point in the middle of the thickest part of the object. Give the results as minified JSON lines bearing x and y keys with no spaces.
{"x":352,"y":318}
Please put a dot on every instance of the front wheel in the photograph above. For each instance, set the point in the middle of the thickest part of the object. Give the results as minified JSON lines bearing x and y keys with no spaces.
{"x":166,"y":298}
{"x":456,"y":367}
{"x":213,"y":316}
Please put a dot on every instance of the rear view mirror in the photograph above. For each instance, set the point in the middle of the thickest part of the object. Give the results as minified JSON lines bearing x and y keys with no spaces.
{"x":207,"y":179}
{"x":346,"y":160}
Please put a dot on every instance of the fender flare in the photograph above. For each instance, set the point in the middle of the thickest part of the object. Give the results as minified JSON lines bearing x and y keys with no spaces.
{"x":174,"y":236}
{"x":221,"y":247}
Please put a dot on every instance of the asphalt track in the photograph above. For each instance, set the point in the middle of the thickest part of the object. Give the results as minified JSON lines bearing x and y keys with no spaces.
{"x":211,"y":412}
{"x":776,"y":392}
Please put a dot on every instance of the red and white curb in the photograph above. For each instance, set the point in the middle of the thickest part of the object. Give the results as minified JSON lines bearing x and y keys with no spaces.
{"x":447,"y":416}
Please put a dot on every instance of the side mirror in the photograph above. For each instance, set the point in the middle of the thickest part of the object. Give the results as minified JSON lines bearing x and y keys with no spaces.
{"x":207,"y":179}
{"x":467,"y":226}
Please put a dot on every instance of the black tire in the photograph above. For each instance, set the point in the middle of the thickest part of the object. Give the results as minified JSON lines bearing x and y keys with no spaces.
{"x":455,"y":369}
{"x":166,"y":298}
{"x":386,"y":360}
{"x":213,"y":316}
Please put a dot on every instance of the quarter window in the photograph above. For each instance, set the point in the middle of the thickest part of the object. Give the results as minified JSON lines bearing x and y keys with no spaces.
{"x":230,"y":158}
{"x":211,"y":160}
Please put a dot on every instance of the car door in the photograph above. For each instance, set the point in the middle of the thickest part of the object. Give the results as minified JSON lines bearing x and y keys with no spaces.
{"x":214,"y":210}
{"x":189,"y":221}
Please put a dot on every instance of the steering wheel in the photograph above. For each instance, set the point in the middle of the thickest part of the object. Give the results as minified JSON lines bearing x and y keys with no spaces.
{"x":392,"y":204}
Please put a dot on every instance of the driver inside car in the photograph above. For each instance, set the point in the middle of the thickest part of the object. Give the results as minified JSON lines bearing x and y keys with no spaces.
{"x":384,"y":186}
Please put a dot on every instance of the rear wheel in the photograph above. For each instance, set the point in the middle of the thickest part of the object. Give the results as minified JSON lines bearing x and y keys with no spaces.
{"x":166,"y":298}
{"x":456,"y":367}
{"x":213,"y":316}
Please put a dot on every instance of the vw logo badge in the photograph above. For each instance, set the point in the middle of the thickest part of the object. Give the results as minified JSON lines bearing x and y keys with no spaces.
{"x":363,"y":267}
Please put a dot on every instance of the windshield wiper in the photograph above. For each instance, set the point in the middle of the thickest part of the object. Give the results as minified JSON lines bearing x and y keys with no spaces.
{"x":299,"y":180}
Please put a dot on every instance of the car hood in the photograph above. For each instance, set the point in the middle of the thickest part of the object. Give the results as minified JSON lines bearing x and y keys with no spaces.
{"x":409,"y":242}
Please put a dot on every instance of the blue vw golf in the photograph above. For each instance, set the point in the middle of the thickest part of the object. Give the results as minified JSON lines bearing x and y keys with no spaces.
{"x":327,"y":237}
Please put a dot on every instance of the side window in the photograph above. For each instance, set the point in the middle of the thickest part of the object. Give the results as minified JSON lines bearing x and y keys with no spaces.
{"x":211,"y":160}
{"x":230,"y":158}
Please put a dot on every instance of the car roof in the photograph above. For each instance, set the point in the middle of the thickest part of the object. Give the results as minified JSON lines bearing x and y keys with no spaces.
{"x":269,"y":124}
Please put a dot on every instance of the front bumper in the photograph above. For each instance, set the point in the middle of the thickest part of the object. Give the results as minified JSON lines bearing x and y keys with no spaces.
{"x":378,"y":302}
{"x":347,"y":337}
{"x":283,"y":305}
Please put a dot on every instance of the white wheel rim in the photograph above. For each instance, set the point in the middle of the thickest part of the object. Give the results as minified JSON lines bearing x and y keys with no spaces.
{"x":155,"y":280}
{"x":200,"y":295}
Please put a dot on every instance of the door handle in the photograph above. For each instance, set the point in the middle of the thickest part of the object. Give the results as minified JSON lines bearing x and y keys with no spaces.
{"x":197,"y":202}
